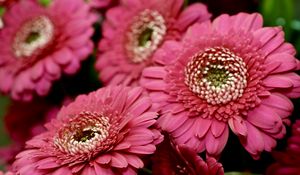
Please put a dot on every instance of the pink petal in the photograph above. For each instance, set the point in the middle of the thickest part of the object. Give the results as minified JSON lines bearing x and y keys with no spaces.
{"x":88,"y":170}
{"x":203,"y":126}
{"x":134,"y":161}
{"x":277,"y":81}
{"x":194,"y":13}
{"x":118,"y":160}
{"x":247,"y":22}
{"x":238,"y":126}
{"x":140,"y":106}
{"x":254,"y":142}
{"x":155,"y":72}
{"x":103,"y":159}
{"x":264,"y":117}
{"x":286,"y":62}
{"x":217,"y":128}
{"x":280,"y":103}
{"x":214,"y":146}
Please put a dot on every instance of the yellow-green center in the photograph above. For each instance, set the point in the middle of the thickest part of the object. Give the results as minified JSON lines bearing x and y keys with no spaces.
{"x":216,"y":76}
{"x":145,"y":36}
{"x":32,"y":37}
{"x":83,"y":136}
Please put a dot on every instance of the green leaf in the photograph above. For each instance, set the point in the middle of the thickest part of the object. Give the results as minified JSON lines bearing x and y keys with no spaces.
{"x":45,"y":2}
{"x":4,"y":101}
{"x":2,"y":11}
{"x":278,"y":12}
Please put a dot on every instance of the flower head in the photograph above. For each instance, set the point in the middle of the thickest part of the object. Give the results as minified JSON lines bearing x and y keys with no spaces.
{"x":105,"y":132}
{"x":288,"y":161}
{"x":229,"y":73}
{"x":38,"y":45}
{"x":134,"y":30}
{"x":181,"y":160}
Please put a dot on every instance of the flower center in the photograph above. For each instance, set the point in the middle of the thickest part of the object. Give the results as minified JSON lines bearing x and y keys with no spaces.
{"x":33,"y":36}
{"x":83,"y":133}
{"x":145,"y":35}
{"x":216,"y":75}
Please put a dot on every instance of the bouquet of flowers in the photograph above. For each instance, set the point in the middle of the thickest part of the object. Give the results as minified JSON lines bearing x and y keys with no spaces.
{"x":162,"y":87}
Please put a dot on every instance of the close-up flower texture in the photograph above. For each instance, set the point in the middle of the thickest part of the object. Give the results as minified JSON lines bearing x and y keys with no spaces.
{"x":149,"y":87}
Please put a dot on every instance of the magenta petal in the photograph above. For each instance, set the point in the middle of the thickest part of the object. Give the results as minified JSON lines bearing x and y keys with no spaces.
{"x":104,"y":159}
{"x":118,"y":160}
{"x":47,"y":163}
{"x":264,"y":117}
{"x":214,"y":146}
{"x":279,"y":102}
{"x":194,"y":13}
{"x":140,"y":106}
{"x":254,"y":142}
{"x":222,"y":23}
{"x":217,"y":128}
{"x":247,"y":22}
{"x":277,"y":81}
{"x":88,"y":170}
{"x":102,"y":170}
{"x":154,"y":72}
{"x":238,"y":126}
{"x":287,"y":62}
{"x":204,"y":125}
{"x":134,"y":161}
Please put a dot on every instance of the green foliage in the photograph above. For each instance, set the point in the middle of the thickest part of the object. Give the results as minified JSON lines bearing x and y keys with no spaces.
{"x":45,"y":2}
{"x":2,"y":10}
{"x":278,"y":12}
{"x":4,"y":101}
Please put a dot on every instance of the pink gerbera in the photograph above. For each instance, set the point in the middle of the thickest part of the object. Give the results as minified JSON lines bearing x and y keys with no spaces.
{"x":171,"y":159}
{"x":105,"y":132}
{"x":229,"y":73}
{"x":288,"y":162}
{"x":135,"y":29}
{"x":39,"y":44}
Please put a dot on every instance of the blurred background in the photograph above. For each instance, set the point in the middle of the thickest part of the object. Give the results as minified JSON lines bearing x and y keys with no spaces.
{"x":285,"y":13}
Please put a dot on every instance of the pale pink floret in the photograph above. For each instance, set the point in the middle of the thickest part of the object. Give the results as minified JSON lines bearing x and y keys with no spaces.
{"x":38,"y":45}
{"x":122,"y":55}
{"x":255,"y":66}
{"x":105,"y":132}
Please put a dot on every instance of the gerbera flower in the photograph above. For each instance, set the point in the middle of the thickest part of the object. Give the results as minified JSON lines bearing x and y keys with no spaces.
{"x":105,"y":132}
{"x":135,"y":29}
{"x":229,"y":73}
{"x":38,"y":45}
{"x":288,"y":162}
{"x":182,"y":160}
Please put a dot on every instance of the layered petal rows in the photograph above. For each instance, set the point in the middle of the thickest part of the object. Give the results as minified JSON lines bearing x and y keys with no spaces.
{"x":231,"y":73}
{"x":134,"y":30}
{"x":105,"y":132}
{"x":38,"y":45}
